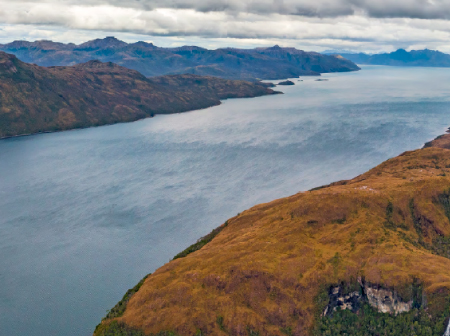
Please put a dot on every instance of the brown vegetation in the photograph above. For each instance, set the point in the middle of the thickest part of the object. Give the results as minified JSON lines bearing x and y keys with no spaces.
{"x":35,"y":99}
{"x":442,"y":141}
{"x":262,"y":274}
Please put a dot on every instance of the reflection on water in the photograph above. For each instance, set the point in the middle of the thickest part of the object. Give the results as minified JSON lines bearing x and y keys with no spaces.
{"x":85,"y":214}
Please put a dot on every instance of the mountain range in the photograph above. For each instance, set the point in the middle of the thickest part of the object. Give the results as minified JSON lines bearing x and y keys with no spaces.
{"x":401,"y":57}
{"x":364,"y":257}
{"x":36,"y":99}
{"x":150,"y":60}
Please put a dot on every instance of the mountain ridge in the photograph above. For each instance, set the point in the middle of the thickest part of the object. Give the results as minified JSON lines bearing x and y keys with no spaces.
{"x":150,"y":60}
{"x":35,"y":99}
{"x":401,"y":57}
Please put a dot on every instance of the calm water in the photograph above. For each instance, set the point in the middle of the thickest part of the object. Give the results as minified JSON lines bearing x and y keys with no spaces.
{"x":85,"y":214}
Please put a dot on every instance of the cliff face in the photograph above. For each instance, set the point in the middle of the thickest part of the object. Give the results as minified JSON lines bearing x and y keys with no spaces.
{"x":230,"y":63}
{"x":37,"y":99}
{"x":273,"y":269}
{"x":384,"y":300}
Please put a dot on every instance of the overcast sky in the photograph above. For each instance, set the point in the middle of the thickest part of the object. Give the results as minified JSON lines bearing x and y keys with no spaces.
{"x":358,"y":25}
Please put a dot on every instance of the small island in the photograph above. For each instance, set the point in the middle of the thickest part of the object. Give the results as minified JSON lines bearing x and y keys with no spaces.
{"x":287,"y":82}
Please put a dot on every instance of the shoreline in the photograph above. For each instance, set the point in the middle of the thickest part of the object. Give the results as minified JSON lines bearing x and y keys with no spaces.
{"x":441,"y":141}
{"x":131,"y":121}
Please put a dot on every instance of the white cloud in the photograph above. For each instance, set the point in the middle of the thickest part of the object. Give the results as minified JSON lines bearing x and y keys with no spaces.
{"x":320,"y":24}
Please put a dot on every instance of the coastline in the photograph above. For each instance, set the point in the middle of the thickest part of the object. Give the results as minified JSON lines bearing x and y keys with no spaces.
{"x":137,"y":119}
{"x":441,"y":141}
{"x":404,"y":182}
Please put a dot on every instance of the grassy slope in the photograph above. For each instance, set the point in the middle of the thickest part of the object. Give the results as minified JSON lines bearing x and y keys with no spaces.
{"x":36,"y":99}
{"x":263,"y":272}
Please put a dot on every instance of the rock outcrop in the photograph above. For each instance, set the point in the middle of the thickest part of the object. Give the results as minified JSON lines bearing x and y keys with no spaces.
{"x":338,"y":300}
{"x":386,"y":300}
{"x":382,"y":299}
{"x":447,"y":331}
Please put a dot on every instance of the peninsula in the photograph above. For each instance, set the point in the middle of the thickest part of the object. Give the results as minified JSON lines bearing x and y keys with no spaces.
{"x":367,"y":256}
{"x":35,"y":99}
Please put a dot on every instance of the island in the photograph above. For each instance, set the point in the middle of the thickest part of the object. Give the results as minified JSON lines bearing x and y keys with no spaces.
{"x":286,"y":82}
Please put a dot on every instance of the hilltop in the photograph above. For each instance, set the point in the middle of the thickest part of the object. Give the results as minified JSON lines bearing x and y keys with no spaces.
{"x":401,"y":57}
{"x":36,"y":99}
{"x":230,"y":63}
{"x":367,"y":256}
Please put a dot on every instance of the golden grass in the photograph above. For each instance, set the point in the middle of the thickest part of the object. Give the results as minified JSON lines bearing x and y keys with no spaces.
{"x":266,"y":267}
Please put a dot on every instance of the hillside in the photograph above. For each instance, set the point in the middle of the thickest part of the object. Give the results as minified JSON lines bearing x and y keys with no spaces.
{"x":150,"y":60}
{"x":401,"y":57}
{"x":376,"y":246}
{"x":36,"y":99}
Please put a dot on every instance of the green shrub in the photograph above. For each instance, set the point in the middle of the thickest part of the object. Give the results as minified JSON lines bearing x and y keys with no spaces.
{"x":202,"y":242}
{"x":120,"y":307}
{"x":121,"y":329}
{"x":369,"y":322}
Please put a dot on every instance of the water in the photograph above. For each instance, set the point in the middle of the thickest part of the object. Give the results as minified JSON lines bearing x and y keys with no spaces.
{"x":85,"y":214}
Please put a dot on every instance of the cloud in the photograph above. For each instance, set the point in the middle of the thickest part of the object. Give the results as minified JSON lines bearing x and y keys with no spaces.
{"x":422,"y":9}
{"x":318,"y":24}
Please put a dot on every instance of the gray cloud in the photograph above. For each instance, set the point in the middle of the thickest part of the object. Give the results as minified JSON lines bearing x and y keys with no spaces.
{"x":319,"y":24}
{"x":422,"y":9}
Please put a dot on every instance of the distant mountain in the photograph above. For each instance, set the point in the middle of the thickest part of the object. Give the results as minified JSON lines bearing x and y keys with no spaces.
{"x":338,"y":51}
{"x":230,"y":63}
{"x":36,"y":99}
{"x":401,"y":57}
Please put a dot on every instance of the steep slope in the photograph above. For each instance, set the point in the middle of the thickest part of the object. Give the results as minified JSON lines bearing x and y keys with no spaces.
{"x":249,"y":64}
{"x":376,"y":245}
{"x":401,"y":57}
{"x":36,"y":99}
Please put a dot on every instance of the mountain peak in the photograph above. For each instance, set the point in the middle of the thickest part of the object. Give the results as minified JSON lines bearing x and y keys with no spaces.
{"x":107,"y":42}
{"x":275,"y":47}
{"x":143,"y":44}
{"x":8,"y":63}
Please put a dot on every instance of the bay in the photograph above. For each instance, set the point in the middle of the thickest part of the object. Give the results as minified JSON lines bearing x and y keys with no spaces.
{"x":85,"y":214}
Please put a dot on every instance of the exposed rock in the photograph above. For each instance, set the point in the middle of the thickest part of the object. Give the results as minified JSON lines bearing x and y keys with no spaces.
{"x":447,"y":331}
{"x":382,"y":299}
{"x":351,"y":301}
{"x":321,"y":80}
{"x":385,"y":300}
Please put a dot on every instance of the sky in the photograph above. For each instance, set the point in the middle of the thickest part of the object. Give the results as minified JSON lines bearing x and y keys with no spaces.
{"x":355,"y":25}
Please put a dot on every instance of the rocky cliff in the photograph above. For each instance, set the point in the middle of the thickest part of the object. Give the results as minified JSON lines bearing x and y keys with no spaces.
{"x":384,"y":300}
{"x":283,"y":267}
{"x":36,"y":99}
